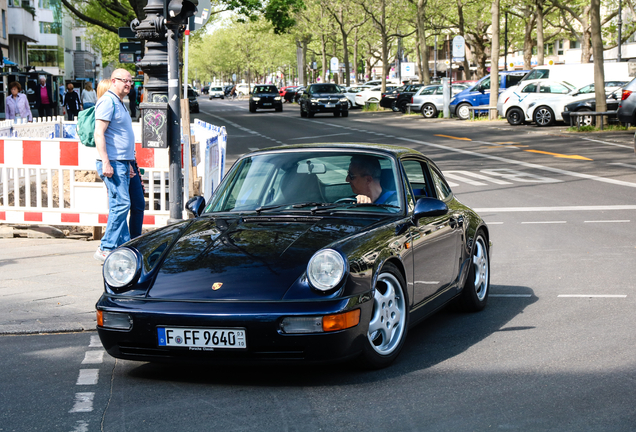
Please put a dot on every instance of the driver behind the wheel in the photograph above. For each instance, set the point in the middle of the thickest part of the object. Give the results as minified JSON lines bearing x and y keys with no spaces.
{"x":364,"y":176}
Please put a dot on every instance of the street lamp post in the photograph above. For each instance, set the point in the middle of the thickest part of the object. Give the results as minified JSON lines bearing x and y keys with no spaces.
{"x":620,"y":27}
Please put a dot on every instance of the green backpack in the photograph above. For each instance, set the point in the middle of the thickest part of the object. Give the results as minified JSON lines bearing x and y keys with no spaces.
{"x":86,"y":127}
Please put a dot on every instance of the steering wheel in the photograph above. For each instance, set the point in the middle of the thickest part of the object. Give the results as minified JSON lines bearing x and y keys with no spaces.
{"x":347,"y":199}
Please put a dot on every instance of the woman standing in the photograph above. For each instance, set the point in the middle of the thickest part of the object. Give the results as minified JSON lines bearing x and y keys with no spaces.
{"x":72,"y":102}
{"x":89,"y":97}
{"x":17,"y":105}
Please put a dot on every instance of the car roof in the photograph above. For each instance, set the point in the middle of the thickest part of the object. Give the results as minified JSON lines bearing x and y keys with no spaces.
{"x":396,"y":151}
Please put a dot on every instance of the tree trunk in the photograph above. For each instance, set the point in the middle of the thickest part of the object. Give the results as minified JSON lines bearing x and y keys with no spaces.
{"x":597,"y":46}
{"x":423,"y":53}
{"x":345,"y":49}
{"x":586,"y":36}
{"x":528,"y":43}
{"x":385,"y":47}
{"x":494,"y":60}
{"x":540,"y":43}
{"x":325,"y":73}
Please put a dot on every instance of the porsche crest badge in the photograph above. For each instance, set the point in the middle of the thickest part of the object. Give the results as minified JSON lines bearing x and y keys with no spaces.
{"x":217,"y":285}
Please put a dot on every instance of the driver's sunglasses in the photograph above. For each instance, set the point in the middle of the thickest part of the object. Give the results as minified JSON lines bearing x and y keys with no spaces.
{"x":125,"y":81}
{"x":351,"y":176}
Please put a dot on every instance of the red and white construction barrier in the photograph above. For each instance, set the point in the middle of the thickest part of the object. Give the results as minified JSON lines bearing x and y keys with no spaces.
{"x":30,"y":186}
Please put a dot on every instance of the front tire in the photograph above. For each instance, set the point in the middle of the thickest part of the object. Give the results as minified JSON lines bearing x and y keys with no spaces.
{"x":429,"y":111}
{"x":252,"y":108}
{"x":474,"y":296}
{"x":463,"y":112}
{"x":302,"y":112}
{"x":514,"y":116}
{"x":345,"y":113}
{"x":543,"y":116}
{"x":388,"y":324}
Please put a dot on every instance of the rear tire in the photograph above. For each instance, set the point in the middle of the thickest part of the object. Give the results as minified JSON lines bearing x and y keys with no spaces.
{"x":429,"y":111}
{"x":586,"y":120}
{"x":514,"y":116}
{"x":474,"y":296}
{"x":402,"y":106}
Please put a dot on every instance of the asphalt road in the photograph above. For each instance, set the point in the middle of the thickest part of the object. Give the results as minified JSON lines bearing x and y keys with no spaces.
{"x":553,"y":351}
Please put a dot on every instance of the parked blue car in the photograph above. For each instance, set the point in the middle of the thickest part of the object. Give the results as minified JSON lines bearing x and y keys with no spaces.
{"x":479,"y":94}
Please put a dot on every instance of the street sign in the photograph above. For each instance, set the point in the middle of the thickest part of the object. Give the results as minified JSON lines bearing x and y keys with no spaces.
{"x":126,"y":57}
{"x":126,"y":33}
{"x":201,"y":17}
{"x":130,"y":47}
{"x":459,"y":48}
{"x":334,"y":64}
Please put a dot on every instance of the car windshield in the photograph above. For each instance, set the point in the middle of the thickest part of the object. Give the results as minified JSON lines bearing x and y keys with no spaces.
{"x":309,"y":181}
{"x":324,"y":88}
{"x":265,"y":89}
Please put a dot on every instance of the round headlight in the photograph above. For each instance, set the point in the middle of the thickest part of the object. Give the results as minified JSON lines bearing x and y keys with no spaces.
{"x":120,"y":267}
{"x":326,"y":269}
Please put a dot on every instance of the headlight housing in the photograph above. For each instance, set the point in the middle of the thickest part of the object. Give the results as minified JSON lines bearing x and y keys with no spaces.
{"x":277,"y":98}
{"x":315,"y":101}
{"x":120,"y":267}
{"x":344,"y":99}
{"x":326,"y":269}
{"x":256,"y":99}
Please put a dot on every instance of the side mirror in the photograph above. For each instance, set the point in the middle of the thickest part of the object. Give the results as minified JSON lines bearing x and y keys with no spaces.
{"x":195,"y":205}
{"x":429,"y":207}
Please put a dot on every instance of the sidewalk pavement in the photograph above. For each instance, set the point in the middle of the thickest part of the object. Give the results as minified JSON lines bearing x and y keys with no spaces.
{"x":48,"y":285}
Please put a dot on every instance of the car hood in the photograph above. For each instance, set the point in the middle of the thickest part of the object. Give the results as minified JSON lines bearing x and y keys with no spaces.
{"x":249,"y":259}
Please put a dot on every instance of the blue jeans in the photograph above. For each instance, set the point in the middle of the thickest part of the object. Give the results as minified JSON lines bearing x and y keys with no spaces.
{"x":87,"y":105}
{"x":118,"y":186}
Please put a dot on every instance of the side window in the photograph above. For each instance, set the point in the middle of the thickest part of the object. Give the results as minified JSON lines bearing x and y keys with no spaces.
{"x":512,"y":80}
{"x":415,"y":174}
{"x":530,"y":88}
{"x":485,"y":84}
{"x":558,"y":89}
{"x":442,"y":188}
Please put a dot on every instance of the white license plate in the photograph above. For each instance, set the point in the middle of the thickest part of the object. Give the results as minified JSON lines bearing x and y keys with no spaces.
{"x":203,"y":338}
{"x":330,"y":105}
{"x":267,"y":104}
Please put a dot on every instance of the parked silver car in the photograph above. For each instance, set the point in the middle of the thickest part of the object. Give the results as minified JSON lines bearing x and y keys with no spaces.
{"x":429,"y":100}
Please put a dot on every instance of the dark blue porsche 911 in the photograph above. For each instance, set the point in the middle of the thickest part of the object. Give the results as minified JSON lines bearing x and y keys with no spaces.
{"x":310,"y":253}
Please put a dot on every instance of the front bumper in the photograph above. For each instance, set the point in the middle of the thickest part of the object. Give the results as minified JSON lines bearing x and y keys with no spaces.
{"x":320,"y":107}
{"x":266,"y":342}
{"x":268,"y":103}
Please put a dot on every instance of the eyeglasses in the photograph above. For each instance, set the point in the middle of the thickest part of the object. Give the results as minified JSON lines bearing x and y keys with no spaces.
{"x":125,"y":81}
{"x":351,"y":176}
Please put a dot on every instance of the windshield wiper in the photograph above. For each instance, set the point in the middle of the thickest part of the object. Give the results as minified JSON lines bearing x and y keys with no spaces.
{"x":265,"y":208}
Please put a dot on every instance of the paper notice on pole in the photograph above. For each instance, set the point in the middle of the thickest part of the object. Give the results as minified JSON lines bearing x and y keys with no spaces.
{"x":173,"y":83}
{"x":198,"y":20}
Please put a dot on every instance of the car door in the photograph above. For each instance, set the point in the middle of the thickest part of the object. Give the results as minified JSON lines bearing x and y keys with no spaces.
{"x":435,"y":240}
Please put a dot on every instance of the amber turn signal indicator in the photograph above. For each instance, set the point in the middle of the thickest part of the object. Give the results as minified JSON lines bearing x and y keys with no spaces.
{"x":341,"y":321}
{"x":100,"y":318}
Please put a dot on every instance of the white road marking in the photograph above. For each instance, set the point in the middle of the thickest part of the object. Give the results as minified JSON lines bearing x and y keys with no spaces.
{"x":88,"y":377}
{"x":557,"y":208}
{"x":83,"y":402}
{"x":544,"y":222}
{"x":95,"y":342}
{"x":478,"y":176}
{"x":82,"y":426}
{"x":520,"y":163}
{"x":608,"y":143}
{"x":607,"y":221}
{"x":494,"y":223}
{"x":451,"y":174}
{"x":592,"y":295}
{"x":319,"y":136}
{"x":511,"y":295}
{"x":623,"y":164}
{"x":93,"y":357}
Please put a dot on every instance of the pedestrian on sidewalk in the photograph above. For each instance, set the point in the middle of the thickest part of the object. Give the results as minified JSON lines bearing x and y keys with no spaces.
{"x":17,"y":105}
{"x":115,"y":143}
{"x":44,"y":98}
{"x":89,"y":97}
{"x":72,"y":102}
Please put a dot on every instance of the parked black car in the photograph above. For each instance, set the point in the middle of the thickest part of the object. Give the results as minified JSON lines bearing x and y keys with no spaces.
{"x":323,"y":98}
{"x":400,"y":97}
{"x":299,"y":92}
{"x":192,"y":100}
{"x":205,"y":89}
{"x":290,"y":93}
{"x":590,"y":105}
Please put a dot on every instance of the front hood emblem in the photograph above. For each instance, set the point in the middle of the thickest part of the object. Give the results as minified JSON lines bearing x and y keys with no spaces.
{"x":217,"y":285}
